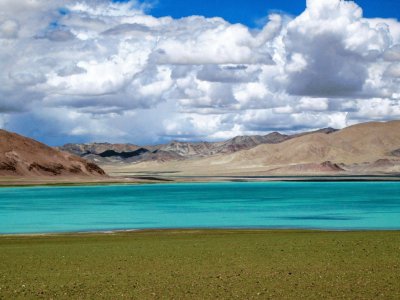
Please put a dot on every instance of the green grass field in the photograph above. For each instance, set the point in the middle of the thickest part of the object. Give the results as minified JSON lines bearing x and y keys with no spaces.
{"x":213,"y":264}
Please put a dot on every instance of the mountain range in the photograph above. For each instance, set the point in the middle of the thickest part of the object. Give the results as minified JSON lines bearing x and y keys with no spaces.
{"x":369,"y":148}
{"x":106,"y":153}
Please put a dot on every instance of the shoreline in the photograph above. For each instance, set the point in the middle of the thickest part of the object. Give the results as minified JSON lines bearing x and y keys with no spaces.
{"x":139,"y":180}
{"x":167,"y":231}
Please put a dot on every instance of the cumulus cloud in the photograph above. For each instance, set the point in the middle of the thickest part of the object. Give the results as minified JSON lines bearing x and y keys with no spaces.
{"x":97,"y":70}
{"x":228,"y":74}
{"x":330,"y":48}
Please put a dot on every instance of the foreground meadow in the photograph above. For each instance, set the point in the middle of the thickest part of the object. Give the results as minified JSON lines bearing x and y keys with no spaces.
{"x":202,"y":264}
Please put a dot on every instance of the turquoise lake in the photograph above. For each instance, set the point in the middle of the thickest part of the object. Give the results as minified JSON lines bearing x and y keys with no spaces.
{"x":308,"y":205}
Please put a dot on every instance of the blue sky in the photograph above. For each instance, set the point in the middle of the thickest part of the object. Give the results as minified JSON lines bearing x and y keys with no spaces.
{"x":238,"y":11}
{"x":250,"y":12}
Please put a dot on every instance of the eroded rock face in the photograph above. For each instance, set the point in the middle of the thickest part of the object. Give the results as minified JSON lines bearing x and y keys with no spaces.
{"x":52,"y":168}
{"x":329,"y":166}
{"x":396,"y":152}
{"x":383,"y":163}
{"x":94,"y":169}
{"x":21,"y":156}
{"x":10,"y":165}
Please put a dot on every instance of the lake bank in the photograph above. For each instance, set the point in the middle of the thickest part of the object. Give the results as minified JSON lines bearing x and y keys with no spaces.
{"x":129,"y":179}
{"x":202,"y":264}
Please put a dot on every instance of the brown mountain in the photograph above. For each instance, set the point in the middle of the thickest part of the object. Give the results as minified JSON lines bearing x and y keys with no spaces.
{"x":105,"y":153}
{"x":362,"y":143}
{"x":21,"y":156}
{"x":369,"y":148}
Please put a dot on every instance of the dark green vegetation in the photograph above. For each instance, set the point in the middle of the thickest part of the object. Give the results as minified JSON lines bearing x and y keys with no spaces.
{"x":202,"y":265}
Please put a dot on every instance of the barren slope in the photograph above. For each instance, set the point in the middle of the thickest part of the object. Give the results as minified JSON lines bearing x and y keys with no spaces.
{"x":21,"y":156}
{"x":361,"y":143}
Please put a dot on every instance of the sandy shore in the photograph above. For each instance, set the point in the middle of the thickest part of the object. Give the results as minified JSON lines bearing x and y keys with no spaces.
{"x":64,"y":181}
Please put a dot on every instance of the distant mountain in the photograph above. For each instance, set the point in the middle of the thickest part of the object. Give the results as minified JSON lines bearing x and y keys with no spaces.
{"x":97,"y":148}
{"x":21,"y":156}
{"x":369,"y":148}
{"x":205,"y":149}
{"x":123,"y":155}
{"x":105,"y":153}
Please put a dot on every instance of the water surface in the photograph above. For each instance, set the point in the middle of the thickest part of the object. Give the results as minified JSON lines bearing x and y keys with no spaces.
{"x":316,"y":205}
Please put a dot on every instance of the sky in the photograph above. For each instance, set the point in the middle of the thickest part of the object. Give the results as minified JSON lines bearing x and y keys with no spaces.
{"x":253,"y":13}
{"x":149,"y":72}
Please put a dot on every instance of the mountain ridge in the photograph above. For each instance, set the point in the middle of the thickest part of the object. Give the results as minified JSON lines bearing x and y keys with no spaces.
{"x":368,"y":148}
{"x":176,"y":150}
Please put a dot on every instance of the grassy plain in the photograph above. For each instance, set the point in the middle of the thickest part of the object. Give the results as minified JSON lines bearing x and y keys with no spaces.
{"x":202,"y":264}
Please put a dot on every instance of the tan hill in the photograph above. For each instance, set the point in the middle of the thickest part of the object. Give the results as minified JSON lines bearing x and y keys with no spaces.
{"x":368,"y":148}
{"x":361,"y":143}
{"x":24,"y":157}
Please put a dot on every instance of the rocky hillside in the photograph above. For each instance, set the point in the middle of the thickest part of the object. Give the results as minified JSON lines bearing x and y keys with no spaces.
{"x":204,"y":149}
{"x":104,"y":153}
{"x":97,"y":148}
{"x":21,"y":156}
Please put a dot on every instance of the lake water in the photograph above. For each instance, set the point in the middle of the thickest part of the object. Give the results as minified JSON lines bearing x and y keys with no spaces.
{"x":316,"y":205}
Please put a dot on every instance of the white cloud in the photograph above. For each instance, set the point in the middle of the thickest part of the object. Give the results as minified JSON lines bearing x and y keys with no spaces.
{"x":376,"y":109}
{"x":330,"y":48}
{"x":393,"y":70}
{"x":9,"y":29}
{"x":393,"y":53}
{"x":102,"y":70}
